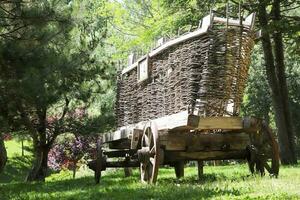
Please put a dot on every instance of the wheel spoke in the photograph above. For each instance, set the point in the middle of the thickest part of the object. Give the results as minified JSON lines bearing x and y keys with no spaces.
{"x":146,"y":140}
{"x":266,"y":151}
{"x":152,"y":161}
{"x":150,"y":139}
{"x":150,"y":145}
{"x":144,"y":172}
{"x":152,"y":151}
{"x":268,"y":168}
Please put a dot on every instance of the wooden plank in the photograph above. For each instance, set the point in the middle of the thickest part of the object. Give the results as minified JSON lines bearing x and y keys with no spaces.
{"x":204,"y":142}
{"x":122,"y":133}
{"x":178,"y":121}
{"x":136,"y":138}
{"x":120,"y":144}
{"x":171,"y":156}
{"x":172,"y":121}
{"x":211,"y":123}
{"x":119,"y":153}
{"x":163,"y":123}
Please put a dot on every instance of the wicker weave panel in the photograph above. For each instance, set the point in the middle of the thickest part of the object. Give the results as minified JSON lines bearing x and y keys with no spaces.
{"x":205,"y":75}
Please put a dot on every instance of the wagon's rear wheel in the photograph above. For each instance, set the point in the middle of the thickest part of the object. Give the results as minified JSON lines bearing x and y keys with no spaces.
{"x":264,"y":152}
{"x":149,"y":154}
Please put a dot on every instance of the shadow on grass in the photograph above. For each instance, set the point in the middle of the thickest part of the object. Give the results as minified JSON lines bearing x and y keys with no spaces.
{"x":16,"y":169}
{"x":114,"y":186}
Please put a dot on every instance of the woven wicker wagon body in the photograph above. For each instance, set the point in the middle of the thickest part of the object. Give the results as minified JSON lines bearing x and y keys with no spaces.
{"x":204,"y":73}
{"x":179,"y":103}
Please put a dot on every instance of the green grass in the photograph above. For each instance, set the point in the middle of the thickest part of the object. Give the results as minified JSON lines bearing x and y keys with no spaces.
{"x":14,"y":148}
{"x":219,"y":182}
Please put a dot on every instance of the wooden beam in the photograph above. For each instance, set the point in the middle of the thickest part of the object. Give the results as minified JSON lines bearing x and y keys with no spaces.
{"x":121,"y":164}
{"x":189,"y":141}
{"x":120,"y":153}
{"x":172,"y":156}
{"x":211,"y":123}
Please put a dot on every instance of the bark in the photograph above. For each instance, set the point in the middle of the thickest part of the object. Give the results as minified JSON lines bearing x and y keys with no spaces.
{"x":74,"y":169}
{"x":40,"y":165}
{"x":280,"y":71}
{"x":286,"y":152}
{"x":3,"y":154}
{"x":22,"y":143}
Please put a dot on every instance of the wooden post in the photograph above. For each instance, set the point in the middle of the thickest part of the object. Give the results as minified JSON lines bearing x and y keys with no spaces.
{"x":200,"y":169}
{"x":127,"y":170}
{"x":179,"y":169}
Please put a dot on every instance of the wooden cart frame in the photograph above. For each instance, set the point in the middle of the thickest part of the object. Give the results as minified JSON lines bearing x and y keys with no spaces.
{"x":175,"y":139}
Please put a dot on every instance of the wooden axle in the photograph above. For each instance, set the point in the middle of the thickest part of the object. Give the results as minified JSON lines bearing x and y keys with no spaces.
{"x":119,"y":153}
{"x":122,"y":164}
{"x":113,"y":164}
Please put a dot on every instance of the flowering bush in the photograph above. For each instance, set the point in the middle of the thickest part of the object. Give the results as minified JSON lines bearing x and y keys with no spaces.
{"x":69,"y":149}
{"x":7,"y":137}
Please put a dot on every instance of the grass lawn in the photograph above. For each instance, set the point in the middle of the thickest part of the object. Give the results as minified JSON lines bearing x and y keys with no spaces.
{"x":219,"y":182}
{"x":14,"y":148}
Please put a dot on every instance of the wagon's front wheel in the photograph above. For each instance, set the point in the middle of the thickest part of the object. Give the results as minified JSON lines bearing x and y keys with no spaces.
{"x":149,"y":154}
{"x":264,"y":152}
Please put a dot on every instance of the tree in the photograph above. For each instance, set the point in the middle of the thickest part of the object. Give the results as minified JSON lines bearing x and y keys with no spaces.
{"x":3,"y":154}
{"x":275,"y":67}
{"x":49,"y":66}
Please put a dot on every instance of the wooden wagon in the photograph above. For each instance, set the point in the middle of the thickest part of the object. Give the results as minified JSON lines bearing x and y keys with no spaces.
{"x":181,"y":102}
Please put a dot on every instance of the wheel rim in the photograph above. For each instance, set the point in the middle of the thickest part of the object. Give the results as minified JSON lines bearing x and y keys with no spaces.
{"x":150,"y":148}
{"x":262,"y":150}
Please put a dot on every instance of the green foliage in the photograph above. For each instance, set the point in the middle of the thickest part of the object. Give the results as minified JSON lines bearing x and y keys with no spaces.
{"x":54,"y":62}
{"x":257,"y":99}
{"x":135,"y":25}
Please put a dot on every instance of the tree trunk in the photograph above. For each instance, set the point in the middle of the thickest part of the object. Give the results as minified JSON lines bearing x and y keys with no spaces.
{"x":74,"y":169}
{"x":3,"y":154}
{"x":280,"y":71}
{"x":22,"y":143}
{"x":286,"y":153}
{"x":40,"y":165}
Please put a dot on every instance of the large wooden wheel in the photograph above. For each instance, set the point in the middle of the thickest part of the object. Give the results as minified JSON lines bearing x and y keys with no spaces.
{"x":149,"y":154}
{"x":264,"y":152}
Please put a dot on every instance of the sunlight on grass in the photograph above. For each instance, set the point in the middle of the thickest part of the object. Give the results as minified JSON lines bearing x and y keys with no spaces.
{"x":218,"y":182}
{"x":14,"y":148}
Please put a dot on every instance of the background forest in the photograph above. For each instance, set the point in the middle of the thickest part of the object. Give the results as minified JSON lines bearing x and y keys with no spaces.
{"x":58,"y":67}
